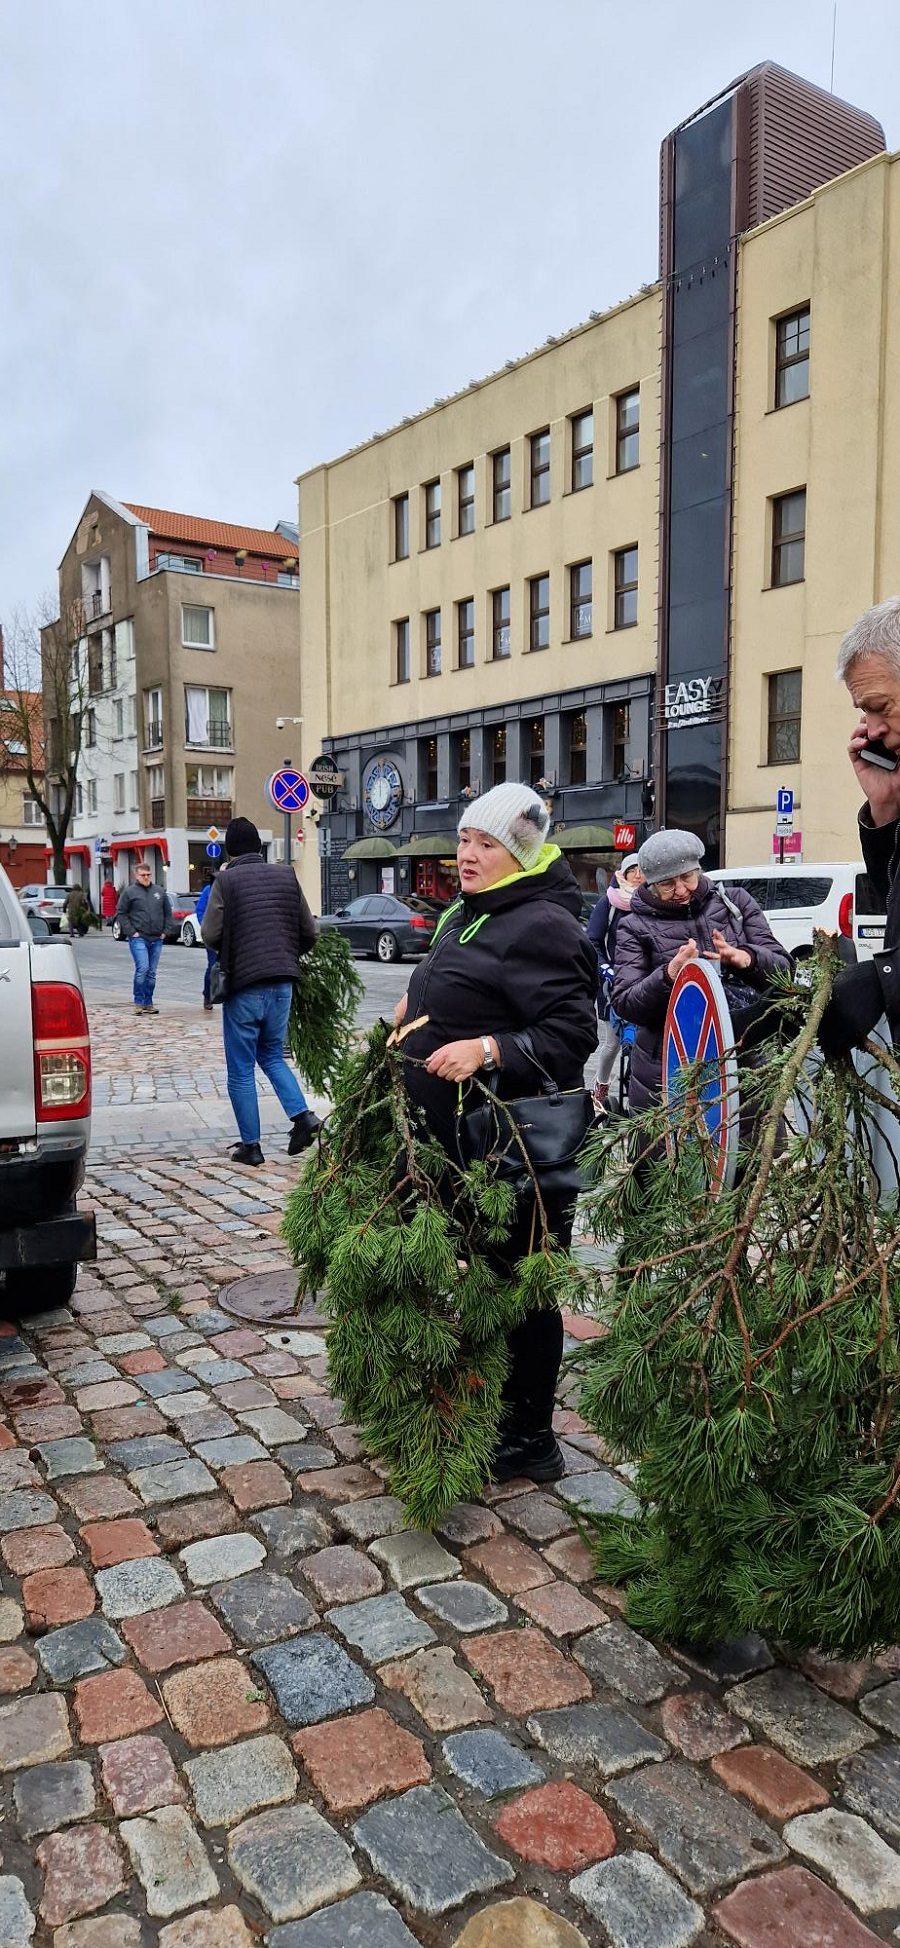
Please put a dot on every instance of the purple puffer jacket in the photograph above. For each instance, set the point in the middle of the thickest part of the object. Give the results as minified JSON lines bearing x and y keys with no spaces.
{"x":647,"y":939}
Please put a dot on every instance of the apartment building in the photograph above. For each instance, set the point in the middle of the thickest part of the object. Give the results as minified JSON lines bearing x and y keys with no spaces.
{"x":189,"y":648}
{"x":590,"y":570}
{"x":22,"y":851}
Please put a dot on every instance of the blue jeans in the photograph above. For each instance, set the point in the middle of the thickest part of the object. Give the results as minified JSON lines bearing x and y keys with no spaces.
{"x":212,"y":956}
{"x":253,"y":1029}
{"x":145,"y":954}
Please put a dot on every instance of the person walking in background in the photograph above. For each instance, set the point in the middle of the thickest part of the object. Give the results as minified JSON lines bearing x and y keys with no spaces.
{"x":78,"y":911}
{"x":144,"y":911}
{"x":109,"y":900}
{"x":259,"y":922}
{"x":211,"y":955}
{"x":602,"y":928}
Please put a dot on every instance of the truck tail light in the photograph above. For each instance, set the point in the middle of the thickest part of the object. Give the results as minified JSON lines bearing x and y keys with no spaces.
{"x":62,"y":1052}
{"x":845,"y":916}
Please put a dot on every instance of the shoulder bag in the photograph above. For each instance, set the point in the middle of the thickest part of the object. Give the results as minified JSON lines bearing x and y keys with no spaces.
{"x":546,"y":1131}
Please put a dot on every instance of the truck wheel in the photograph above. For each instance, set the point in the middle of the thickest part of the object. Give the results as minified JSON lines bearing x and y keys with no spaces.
{"x":37,"y":1287}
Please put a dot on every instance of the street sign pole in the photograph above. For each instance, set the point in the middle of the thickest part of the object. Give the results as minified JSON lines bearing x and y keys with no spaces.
{"x":288,"y":846}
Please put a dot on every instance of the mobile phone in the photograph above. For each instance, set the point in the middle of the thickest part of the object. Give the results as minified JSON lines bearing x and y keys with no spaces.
{"x":877,"y":753}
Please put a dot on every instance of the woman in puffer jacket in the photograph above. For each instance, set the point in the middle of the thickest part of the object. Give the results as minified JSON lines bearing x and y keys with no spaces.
{"x":679,"y":915}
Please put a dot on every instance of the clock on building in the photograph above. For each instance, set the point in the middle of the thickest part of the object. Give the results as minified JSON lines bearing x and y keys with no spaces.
{"x":382,"y":793}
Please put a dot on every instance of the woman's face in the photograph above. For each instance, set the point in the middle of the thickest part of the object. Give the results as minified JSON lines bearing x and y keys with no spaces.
{"x":481,"y":861}
{"x":634,"y":876}
{"x":677,"y":891}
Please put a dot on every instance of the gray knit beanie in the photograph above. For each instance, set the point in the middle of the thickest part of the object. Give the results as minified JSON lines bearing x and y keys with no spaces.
{"x":515,"y":815}
{"x":668,"y":853}
{"x":626,"y":865}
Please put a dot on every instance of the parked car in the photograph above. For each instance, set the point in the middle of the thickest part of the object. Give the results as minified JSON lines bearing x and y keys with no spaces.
{"x":48,"y":902}
{"x":383,"y":925}
{"x":183,"y":905}
{"x":45,"y":1110}
{"x":796,"y":900}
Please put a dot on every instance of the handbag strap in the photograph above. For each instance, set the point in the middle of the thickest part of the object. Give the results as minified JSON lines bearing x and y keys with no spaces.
{"x":525,"y":1045}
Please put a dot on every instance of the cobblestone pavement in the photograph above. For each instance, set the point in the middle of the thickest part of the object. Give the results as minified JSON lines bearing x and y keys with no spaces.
{"x":240,"y":1702}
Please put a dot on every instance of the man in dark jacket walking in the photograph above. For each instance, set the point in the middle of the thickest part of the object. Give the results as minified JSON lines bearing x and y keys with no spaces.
{"x":260,"y":923}
{"x":144,"y":912}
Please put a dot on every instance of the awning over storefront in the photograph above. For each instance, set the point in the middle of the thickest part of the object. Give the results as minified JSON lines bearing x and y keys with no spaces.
{"x":429,"y":845}
{"x":140,"y":842}
{"x":72,"y":849}
{"x":584,"y":838}
{"x":371,"y":848}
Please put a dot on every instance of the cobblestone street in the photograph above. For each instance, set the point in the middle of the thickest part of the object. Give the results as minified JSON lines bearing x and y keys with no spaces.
{"x":241,"y":1702}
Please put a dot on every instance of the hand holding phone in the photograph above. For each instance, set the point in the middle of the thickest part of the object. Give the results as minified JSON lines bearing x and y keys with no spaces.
{"x":874,"y":752}
{"x":878,"y":775}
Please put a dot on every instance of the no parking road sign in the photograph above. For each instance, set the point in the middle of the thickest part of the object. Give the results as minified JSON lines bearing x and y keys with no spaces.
{"x":287,"y":790}
{"x":698,"y":1030}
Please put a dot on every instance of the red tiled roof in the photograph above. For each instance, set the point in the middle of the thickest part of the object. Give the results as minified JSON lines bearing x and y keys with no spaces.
{"x":212,"y":534}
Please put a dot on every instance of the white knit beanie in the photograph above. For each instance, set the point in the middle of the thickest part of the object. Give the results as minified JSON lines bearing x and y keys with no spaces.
{"x":515,"y":815}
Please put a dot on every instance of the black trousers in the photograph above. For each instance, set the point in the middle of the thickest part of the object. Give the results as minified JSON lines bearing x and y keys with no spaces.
{"x":536,"y":1344}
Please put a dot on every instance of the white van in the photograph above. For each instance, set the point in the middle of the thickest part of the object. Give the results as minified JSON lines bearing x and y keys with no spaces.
{"x":798,"y":899}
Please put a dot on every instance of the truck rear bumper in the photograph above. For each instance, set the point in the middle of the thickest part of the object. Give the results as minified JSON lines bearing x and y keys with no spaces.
{"x":39,"y":1183}
{"x":55,"y":1241}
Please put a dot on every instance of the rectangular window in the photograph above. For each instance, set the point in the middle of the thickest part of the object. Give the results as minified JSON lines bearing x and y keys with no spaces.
{"x":430,"y":770}
{"x":90,"y":729}
{"x":209,"y":780}
{"x":197,"y":627}
{"x":620,"y":731}
{"x":156,"y":780}
{"x":432,"y":642}
{"x":578,"y":748}
{"x":433,"y":514}
{"x":112,"y":664}
{"x":501,"y":471}
{"x":788,"y":538}
{"x":118,"y":718}
{"x":400,"y":506}
{"x":134,"y":783}
{"x":496,"y":754}
{"x":31,"y":811}
{"x":500,"y":637}
{"x":582,"y":450}
{"x":118,"y":791}
{"x":463,"y":761}
{"x":207,"y":717}
{"x":539,"y":612}
{"x":186,"y":564}
{"x":628,"y":430}
{"x":625,"y":587}
{"x":539,"y":450}
{"x":785,"y":694}
{"x":465,"y":498}
{"x":153,"y":700}
{"x":792,"y":357}
{"x":465,"y":634}
{"x":401,"y":650}
{"x":581,"y":603}
{"x":535,"y":735}
{"x":92,"y":797}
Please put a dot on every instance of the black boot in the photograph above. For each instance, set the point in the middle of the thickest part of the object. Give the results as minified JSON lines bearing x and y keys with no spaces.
{"x":303,"y":1128}
{"x":247,"y":1153}
{"x":536,"y":1456}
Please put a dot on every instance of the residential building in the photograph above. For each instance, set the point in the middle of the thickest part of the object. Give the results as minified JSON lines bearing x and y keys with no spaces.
{"x":22,"y":851}
{"x":592,"y":569}
{"x":189,"y":649}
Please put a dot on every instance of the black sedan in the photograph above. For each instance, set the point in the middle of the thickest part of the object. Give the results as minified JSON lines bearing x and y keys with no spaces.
{"x":382,"y":925}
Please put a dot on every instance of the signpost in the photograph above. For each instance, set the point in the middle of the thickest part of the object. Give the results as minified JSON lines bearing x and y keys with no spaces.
{"x":213,"y":851}
{"x":288,"y":791}
{"x":784,"y":818}
{"x":624,"y":836}
{"x":698,"y":1030}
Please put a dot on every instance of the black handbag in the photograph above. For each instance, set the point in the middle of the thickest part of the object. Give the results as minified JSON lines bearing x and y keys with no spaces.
{"x":218,"y":986}
{"x":541,"y":1135}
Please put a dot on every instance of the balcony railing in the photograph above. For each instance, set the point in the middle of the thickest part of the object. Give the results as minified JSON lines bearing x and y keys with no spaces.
{"x":96,"y":604}
{"x":216,"y":736}
{"x":154,"y":737}
{"x":208,"y":811}
{"x":157,"y":814}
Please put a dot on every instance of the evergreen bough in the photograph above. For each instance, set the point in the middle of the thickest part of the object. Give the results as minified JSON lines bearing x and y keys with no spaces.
{"x":326,"y":995}
{"x":751,"y":1368}
{"x":399,"y":1239}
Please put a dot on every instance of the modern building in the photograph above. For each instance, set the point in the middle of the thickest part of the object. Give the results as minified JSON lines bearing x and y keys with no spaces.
{"x":619,"y":568}
{"x":189,"y":648}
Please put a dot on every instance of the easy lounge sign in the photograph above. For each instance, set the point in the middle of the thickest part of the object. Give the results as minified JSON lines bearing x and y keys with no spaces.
{"x":696,"y":700}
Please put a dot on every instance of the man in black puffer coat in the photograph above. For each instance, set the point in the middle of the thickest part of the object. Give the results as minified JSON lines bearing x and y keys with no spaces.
{"x":677,"y":916}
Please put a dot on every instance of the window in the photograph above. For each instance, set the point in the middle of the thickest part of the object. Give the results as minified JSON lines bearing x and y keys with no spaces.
{"x":535,"y":735}
{"x":582,"y":450}
{"x":285,"y":579}
{"x":785,"y":692}
{"x":788,"y":538}
{"x":619,"y":733}
{"x":465,"y":634}
{"x":496,"y":754}
{"x":92,"y":797}
{"x":539,"y":612}
{"x":463,"y":754}
{"x":186,"y":564}
{"x":465,"y":498}
{"x":31,"y":811}
{"x":581,"y":606}
{"x":134,"y":792}
{"x":430,"y":769}
{"x":401,"y":526}
{"x":156,"y":780}
{"x":500,"y":642}
{"x":501,"y":468}
{"x":132,"y":716}
{"x":628,"y":430}
{"x":401,"y":650}
{"x":625,"y":587}
{"x":207,"y":717}
{"x":154,"y":720}
{"x":539,"y":448}
{"x":792,"y":357}
{"x":112,"y":663}
{"x":578,"y":748}
{"x":433,"y":514}
{"x":119,"y":718}
{"x":118,"y":791}
{"x":90,"y":729}
{"x":432,"y":642}
{"x":197,"y":629}
{"x":79,"y":802}
{"x":209,"y":780}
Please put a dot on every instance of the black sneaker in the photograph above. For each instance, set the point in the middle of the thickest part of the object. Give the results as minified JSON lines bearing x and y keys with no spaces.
{"x":537,"y":1457}
{"x":247,"y":1153}
{"x":303,"y":1128}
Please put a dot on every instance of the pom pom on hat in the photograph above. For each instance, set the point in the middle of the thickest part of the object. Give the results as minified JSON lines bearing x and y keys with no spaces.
{"x":668,"y":853}
{"x":515,"y":815}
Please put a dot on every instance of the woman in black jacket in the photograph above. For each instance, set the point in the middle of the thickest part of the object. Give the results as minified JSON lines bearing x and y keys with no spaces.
{"x":509,"y":955}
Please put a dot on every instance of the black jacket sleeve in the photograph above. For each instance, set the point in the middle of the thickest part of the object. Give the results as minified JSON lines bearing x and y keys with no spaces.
{"x":879,"y":844}
{"x":123,"y":911}
{"x":558,"y":982}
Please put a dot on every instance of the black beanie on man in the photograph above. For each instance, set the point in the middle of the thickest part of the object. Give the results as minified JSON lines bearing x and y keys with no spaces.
{"x":241,"y":836}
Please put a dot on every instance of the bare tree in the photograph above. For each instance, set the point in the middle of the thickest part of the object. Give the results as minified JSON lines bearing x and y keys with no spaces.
{"x":46,"y":681}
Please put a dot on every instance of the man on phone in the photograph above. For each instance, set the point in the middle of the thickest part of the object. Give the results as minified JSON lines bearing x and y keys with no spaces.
{"x":869,"y":664}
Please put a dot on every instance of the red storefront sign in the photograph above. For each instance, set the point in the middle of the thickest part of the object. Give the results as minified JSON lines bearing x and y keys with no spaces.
{"x":624,"y":836}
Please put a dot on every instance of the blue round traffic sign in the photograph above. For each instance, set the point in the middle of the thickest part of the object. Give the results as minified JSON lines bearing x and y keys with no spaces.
{"x":698,"y":1031}
{"x":288,"y":791}
{"x":213,"y":851}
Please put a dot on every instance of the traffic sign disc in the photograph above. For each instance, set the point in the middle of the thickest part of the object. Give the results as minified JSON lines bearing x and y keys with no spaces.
{"x":698,"y":1030}
{"x":287,"y":790}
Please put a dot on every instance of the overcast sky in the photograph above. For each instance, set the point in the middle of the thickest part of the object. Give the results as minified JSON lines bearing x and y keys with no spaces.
{"x":237,"y":240}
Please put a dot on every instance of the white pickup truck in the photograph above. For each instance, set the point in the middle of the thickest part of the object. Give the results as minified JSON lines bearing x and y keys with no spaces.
{"x":45,"y":1112}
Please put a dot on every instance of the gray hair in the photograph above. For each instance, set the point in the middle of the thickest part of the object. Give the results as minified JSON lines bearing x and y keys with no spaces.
{"x":877,"y":633}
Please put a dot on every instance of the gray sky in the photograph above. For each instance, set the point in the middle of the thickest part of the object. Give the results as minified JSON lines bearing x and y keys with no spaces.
{"x":237,"y":240}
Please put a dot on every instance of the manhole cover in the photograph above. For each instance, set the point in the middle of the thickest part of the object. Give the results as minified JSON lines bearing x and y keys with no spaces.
{"x":270,"y":1298}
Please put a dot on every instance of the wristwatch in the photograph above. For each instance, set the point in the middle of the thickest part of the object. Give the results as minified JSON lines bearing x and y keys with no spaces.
{"x":487,"y":1058}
